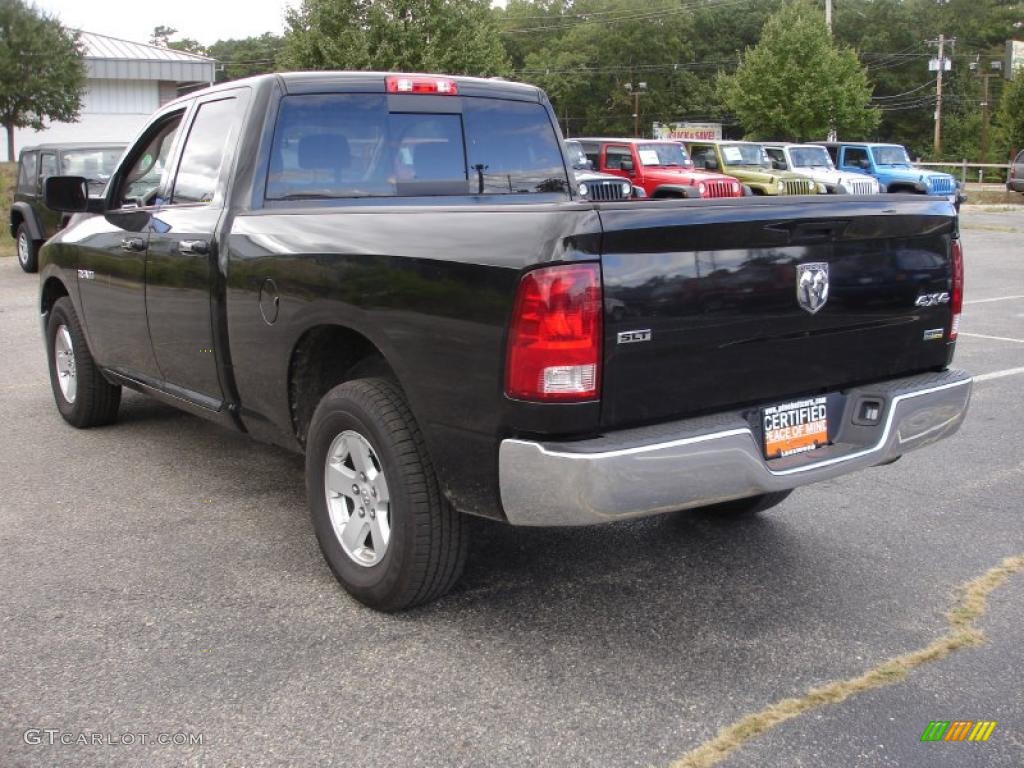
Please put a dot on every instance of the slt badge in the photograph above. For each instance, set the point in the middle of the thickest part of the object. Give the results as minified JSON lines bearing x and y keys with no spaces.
{"x":812,"y":286}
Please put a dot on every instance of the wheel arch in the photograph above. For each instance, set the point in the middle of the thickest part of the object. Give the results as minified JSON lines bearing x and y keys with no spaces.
{"x":323,"y":357}
{"x":899,"y":187}
{"x":22,"y":212}
{"x":674,"y":192}
{"x":53,"y":289}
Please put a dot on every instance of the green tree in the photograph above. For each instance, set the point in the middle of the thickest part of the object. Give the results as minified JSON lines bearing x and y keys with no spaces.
{"x":450,"y":36}
{"x":247,"y":56}
{"x":796,"y":82}
{"x":162,"y":35}
{"x":598,"y":49}
{"x":1010,"y":116}
{"x":42,"y":76}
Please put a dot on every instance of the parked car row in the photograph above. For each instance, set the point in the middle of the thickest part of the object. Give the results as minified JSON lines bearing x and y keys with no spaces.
{"x":699,"y":169}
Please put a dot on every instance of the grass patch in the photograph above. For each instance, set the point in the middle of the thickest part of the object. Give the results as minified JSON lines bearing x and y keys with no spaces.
{"x":970,"y":605}
{"x":994,"y":197}
{"x":8,"y":175}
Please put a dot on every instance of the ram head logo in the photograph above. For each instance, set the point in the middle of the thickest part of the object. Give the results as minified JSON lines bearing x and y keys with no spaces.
{"x":812,"y":286}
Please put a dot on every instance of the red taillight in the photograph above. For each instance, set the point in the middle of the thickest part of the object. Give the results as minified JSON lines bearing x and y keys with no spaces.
{"x":956,"y":295}
{"x":554,"y":342}
{"x":409,"y":84}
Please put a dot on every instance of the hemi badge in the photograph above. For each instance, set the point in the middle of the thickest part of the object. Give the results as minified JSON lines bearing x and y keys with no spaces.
{"x":631,"y":337}
{"x":934,"y":333}
{"x":86,"y":274}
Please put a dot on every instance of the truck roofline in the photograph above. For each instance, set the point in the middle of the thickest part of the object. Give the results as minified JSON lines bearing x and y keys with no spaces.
{"x":370,"y":82}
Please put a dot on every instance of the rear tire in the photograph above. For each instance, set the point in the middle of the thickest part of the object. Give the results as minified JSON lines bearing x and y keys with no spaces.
{"x":747,"y":507}
{"x":28,"y":249}
{"x":363,"y":447}
{"x":84,"y":398}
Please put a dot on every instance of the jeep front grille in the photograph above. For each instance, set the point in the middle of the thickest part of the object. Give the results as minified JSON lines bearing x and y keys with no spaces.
{"x":718,"y":189}
{"x":799,"y":187}
{"x":604,"y":190}
{"x":859,"y":187}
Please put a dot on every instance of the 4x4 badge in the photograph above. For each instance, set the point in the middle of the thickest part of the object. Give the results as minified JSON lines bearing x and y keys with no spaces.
{"x":812,"y":286}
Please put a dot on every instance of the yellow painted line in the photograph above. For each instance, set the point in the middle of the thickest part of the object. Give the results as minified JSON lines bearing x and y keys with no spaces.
{"x":968,"y":608}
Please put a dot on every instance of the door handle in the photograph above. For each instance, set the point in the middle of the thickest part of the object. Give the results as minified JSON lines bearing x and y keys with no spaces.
{"x":193,"y":246}
{"x":133,"y":244}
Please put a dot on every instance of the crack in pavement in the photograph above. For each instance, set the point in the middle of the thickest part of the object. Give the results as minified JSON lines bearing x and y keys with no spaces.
{"x":969,"y":607}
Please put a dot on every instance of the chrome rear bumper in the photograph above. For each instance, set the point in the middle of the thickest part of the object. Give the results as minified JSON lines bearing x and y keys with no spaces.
{"x":695,"y":462}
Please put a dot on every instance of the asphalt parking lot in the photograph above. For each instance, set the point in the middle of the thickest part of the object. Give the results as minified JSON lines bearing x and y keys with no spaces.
{"x":161,"y":576}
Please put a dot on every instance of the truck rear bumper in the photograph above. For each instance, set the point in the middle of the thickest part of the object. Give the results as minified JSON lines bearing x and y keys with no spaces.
{"x":701,"y":461}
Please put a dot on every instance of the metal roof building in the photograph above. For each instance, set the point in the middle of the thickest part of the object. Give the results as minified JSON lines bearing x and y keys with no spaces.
{"x":125,"y":83}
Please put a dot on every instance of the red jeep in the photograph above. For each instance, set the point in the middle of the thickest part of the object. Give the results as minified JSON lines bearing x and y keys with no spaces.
{"x":662,"y":168}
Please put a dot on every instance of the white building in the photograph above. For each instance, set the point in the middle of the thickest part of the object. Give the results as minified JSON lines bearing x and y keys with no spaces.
{"x":125,"y":83}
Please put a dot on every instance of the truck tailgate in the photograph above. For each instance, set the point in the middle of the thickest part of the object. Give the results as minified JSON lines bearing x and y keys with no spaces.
{"x":717,"y":288}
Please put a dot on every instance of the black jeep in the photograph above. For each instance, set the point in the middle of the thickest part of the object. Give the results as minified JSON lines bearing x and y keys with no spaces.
{"x":31,"y":221}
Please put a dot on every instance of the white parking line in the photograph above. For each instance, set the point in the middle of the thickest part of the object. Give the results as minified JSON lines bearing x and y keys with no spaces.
{"x":996,"y":298}
{"x":994,"y":338}
{"x":999,"y":374}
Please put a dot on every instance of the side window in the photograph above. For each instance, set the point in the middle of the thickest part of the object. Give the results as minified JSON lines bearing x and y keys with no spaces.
{"x":47,"y":167}
{"x":204,"y":152}
{"x":139,"y":186}
{"x":855,"y":157}
{"x":28,"y":173}
{"x":613,"y":157}
{"x":700,"y":155}
{"x":593,"y":153}
{"x":778,"y":158}
{"x":1020,"y":158}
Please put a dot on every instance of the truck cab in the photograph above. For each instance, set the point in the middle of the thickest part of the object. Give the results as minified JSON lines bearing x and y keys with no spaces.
{"x":813,"y":161}
{"x":662,"y":169}
{"x":748,"y":163}
{"x":890,"y":165}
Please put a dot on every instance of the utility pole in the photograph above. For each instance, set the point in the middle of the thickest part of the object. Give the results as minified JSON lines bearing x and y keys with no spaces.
{"x":636,"y":91}
{"x":832,"y":136}
{"x":940,"y":69}
{"x":984,"y":117}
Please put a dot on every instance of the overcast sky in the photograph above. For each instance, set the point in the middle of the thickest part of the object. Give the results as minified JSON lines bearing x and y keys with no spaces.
{"x":204,"y":20}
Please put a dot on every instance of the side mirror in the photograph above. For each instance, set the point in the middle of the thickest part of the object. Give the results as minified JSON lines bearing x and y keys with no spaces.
{"x":778,"y":165}
{"x":711,"y":164}
{"x":67,"y":194}
{"x":627,"y":166}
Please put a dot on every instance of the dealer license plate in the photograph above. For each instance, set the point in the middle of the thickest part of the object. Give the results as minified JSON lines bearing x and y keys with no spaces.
{"x":795,"y":427}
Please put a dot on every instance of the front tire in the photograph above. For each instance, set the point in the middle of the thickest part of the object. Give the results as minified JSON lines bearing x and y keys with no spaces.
{"x":382,"y":523}
{"x":84,"y":398}
{"x":28,"y":249}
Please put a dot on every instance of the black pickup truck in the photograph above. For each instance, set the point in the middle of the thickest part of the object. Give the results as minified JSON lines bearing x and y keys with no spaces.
{"x":396,"y":275}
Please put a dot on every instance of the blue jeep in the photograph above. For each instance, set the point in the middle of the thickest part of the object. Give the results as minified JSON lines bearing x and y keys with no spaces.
{"x":890,"y":164}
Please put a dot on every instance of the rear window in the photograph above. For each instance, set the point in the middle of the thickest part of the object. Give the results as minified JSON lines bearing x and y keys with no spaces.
{"x":350,"y":145}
